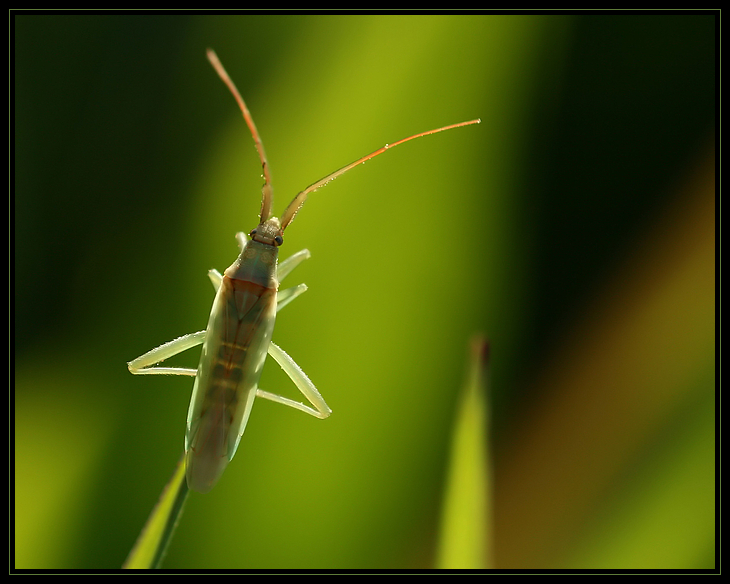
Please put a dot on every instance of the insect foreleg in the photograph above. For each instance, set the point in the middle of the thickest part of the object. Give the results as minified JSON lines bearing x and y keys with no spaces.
{"x":285,"y":267}
{"x":215,"y":278}
{"x":302,"y":382}
{"x":284,"y":297}
{"x":241,"y":239}
{"x":141,"y":365}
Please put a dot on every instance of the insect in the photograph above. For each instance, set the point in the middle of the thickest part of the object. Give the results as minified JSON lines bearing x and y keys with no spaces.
{"x":240,"y":326}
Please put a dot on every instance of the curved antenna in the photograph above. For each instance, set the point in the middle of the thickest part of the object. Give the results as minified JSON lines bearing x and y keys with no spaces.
{"x":267,"y":192}
{"x":296,"y":204}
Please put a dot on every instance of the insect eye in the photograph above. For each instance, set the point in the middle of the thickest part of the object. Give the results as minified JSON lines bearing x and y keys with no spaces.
{"x":279,"y":240}
{"x":252,"y":233}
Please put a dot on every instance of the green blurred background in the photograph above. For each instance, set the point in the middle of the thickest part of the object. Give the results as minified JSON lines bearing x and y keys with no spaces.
{"x":575,"y":227}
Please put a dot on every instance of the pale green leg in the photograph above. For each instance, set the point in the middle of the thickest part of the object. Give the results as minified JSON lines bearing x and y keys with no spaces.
{"x":215,"y":278}
{"x":285,"y":267}
{"x":141,"y":365}
{"x":284,"y":297}
{"x":293,"y":370}
{"x":302,"y":382}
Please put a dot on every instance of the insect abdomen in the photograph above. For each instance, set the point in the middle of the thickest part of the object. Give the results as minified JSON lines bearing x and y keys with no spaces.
{"x":237,"y":340}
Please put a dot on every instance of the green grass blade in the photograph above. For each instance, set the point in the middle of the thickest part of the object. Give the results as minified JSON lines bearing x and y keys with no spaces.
{"x":151,"y":545}
{"x":465,"y":540}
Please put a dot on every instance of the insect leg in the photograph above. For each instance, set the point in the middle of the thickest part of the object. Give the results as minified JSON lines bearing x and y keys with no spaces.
{"x":215,"y":278}
{"x":302,"y":382}
{"x":142,"y":365}
{"x":285,"y":267}
{"x":284,"y":297}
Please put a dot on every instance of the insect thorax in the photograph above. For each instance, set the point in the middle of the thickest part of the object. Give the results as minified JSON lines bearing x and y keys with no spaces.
{"x":257,"y":264}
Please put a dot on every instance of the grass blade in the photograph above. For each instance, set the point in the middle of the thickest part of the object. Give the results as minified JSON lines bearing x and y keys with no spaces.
{"x":466,"y":532}
{"x":151,"y":545}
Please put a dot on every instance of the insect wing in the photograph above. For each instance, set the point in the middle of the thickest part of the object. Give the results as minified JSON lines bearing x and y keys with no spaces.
{"x":239,"y":333}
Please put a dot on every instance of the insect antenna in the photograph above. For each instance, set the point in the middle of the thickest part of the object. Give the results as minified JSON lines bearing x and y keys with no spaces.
{"x":296,"y":204}
{"x":267,"y":191}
